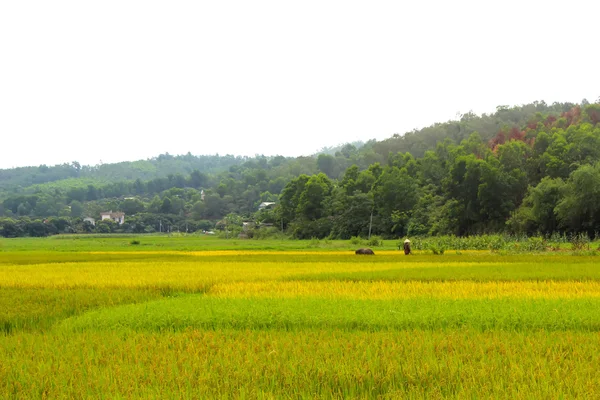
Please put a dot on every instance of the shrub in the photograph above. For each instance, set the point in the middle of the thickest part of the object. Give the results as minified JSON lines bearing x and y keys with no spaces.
{"x":134,"y":242}
{"x":556,"y":237}
{"x":580,"y":241}
{"x":536,"y":244}
{"x":496,"y":243}
{"x":438,"y":247}
{"x":268,"y":233}
{"x":314,"y":242}
{"x":356,"y":240}
{"x":375,"y":241}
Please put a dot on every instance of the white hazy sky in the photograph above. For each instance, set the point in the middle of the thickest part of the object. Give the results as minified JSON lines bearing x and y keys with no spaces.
{"x":124,"y":80}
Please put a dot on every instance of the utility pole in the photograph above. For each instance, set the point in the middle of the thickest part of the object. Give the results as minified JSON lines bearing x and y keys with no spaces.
{"x":371,"y":223}
{"x":372,"y":209}
{"x":160,"y":226}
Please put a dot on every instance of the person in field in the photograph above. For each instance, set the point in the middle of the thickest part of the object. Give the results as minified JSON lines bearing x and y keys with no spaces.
{"x":406,"y":247}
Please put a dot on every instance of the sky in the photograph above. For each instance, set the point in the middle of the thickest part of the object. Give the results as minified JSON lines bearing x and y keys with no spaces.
{"x":108,"y":81}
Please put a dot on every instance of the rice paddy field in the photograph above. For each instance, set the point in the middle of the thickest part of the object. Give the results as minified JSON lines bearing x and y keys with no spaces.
{"x":200,"y":317}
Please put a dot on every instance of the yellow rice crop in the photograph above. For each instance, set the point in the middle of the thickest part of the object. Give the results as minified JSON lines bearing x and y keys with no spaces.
{"x":188,"y":275}
{"x":303,"y":362}
{"x":408,"y":289}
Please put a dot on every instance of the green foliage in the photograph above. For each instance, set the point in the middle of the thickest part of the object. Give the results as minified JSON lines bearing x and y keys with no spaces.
{"x":438,"y":247}
{"x":580,"y":241}
{"x":305,"y":229}
{"x":375,"y":241}
{"x":494,"y":243}
{"x":76,"y":209}
{"x":579,"y":208}
{"x":356,"y":240}
{"x":522,"y":170}
{"x":535,"y":244}
{"x":268,"y":233}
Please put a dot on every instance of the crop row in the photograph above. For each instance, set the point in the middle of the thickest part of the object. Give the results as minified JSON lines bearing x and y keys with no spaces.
{"x":298,"y":314}
{"x":384,"y":290}
{"x":198,"y":274}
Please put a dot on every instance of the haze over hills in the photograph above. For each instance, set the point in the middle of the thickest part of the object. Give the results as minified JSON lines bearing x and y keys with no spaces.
{"x":509,"y":170}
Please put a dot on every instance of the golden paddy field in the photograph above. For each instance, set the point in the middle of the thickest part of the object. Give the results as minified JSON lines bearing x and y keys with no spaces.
{"x":83,"y":322}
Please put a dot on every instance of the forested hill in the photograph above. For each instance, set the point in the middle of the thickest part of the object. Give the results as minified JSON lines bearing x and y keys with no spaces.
{"x":527,"y":168}
{"x":159,"y":167}
{"x":504,"y":119}
{"x":416,"y":142}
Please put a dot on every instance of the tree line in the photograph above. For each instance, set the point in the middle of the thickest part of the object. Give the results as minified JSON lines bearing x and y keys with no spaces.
{"x":527,"y":169}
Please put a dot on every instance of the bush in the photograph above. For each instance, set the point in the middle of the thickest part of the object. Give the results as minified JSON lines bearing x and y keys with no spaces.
{"x":496,"y":243}
{"x":375,"y":241}
{"x":268,"y":233}
{"x":314,"y":242}
{"x":438,"y":247}
{"x":134,"y":242}
{"x":356,"y":240}
{"x":535,"y":244}
{"x":580,"y":241}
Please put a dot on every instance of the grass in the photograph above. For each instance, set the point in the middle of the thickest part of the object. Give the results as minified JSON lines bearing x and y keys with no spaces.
{"x":162,"y":242}
{"x":200,"y":317}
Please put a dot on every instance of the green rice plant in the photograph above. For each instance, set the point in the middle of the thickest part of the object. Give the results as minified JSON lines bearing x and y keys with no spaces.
{"x":39,"y":309}
{"x":297,"y":314}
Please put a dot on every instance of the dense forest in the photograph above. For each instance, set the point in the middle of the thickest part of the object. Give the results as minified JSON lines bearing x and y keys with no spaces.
{"x":530,"y":169}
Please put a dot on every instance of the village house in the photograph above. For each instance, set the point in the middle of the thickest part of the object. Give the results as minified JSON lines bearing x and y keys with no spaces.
{"x":265,"y":204}
{"x":118,"y":217}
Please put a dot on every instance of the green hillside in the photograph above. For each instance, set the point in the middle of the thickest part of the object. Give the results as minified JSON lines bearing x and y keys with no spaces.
{"x":524,"y":169}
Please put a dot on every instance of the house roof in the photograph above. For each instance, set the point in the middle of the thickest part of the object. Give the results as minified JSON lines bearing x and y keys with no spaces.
{"x":266,"y":204}
{"x":113,"y":214}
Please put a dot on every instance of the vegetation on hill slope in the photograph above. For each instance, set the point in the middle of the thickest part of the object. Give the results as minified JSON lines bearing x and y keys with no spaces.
{"x":527,"y":169}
